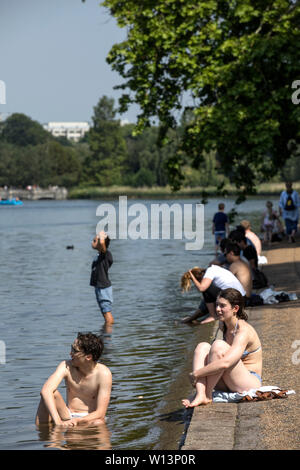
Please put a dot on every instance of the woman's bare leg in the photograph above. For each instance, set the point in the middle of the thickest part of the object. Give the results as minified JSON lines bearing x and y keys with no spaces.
{"x":217,"y":351}
{"x":237,"y":378}
{"x":200,"y":360}
{"x":212,"y":313}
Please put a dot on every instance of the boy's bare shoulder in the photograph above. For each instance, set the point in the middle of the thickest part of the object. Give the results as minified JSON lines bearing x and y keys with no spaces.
{"x":68,"y":365}
{"x":63,"y":365}
{"x":103,"y":371}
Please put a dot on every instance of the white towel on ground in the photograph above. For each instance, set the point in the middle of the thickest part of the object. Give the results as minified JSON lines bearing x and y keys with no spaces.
{"x":262,"y":260}
{"x":254,"y":394}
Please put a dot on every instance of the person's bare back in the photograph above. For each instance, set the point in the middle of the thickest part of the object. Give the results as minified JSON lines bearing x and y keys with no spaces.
{"x":242,"y":271}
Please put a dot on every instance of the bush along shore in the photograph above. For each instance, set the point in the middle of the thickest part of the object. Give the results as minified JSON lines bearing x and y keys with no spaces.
{"x":97,"y":192}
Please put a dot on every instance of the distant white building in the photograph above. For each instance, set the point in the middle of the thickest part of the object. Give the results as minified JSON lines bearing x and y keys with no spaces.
{"x":71,"y":130}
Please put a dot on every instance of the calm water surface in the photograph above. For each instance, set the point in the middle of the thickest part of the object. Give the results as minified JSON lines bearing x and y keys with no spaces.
{"x":46,"y":299}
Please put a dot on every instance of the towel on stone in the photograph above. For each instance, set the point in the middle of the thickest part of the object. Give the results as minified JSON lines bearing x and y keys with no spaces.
{"x":254,"y":394}
{"x":262,"y":260}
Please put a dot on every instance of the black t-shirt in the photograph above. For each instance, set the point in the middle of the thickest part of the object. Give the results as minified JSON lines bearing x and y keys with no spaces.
{"x":250,"y":253}
{"x":100,"y":267}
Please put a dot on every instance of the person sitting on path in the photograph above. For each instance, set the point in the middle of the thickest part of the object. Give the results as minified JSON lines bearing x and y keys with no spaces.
{"x":220,"y":259}
{"x":210,"y":282}
{"x":252,"y":236}
{"x":88,"y":386}
{"x":247,"y":250}
{"x":289,"y":203}
{"x":220,"y":226}
{"x":233,"y":364}
{"x":99,"y":276}
{"x":259,"y":280}
{"x":239,"y":268}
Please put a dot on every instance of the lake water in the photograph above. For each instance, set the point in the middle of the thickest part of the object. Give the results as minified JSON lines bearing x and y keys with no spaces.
{"x":46,"y":299}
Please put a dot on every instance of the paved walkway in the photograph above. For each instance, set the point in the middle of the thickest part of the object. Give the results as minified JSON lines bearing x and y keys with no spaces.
{"x":265,"y":425}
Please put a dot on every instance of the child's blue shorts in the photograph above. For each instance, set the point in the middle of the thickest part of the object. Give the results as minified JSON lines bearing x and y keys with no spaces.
{"x":104,"y":298}
{"x":220,"y":235}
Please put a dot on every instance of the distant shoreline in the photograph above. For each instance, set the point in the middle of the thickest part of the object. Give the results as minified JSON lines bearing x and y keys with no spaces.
{"x":267,"y":189}
{"x":113,"y":192}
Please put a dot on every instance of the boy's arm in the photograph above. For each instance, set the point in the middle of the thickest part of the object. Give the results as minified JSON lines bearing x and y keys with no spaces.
{"x":98,"y":242}
{"x":49,"y":388}
{"x":104,"y":391}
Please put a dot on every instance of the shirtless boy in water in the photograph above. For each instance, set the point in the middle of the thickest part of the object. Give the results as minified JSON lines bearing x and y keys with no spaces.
{"x":88,"y":385}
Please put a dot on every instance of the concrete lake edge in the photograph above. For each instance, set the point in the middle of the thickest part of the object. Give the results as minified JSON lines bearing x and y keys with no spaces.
{"x":265,"y":425}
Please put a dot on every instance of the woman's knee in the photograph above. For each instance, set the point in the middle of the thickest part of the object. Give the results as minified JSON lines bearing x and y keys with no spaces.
{"x":202,"y":347}
{"x":219,"y":347}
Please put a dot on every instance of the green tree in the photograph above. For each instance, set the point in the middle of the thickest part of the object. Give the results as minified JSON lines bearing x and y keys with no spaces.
{"x":21,"y":130}
{"x":63,"y":163}
{"x":43,"y":165}
{"x":145,"y":159}
{"x":8,"y":165}
{"x":105,"y":164}
{"x":230,"y":63}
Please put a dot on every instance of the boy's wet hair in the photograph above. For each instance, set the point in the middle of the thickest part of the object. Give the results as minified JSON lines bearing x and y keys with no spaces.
{"x":221,"y":205}
{"x":89,"y":343}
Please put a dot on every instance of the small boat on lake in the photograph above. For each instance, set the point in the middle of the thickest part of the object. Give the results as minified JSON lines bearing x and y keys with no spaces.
{"x":11,"y":202}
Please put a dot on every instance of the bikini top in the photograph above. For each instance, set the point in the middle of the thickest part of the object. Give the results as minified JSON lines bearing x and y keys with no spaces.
{"x":245,"y":353}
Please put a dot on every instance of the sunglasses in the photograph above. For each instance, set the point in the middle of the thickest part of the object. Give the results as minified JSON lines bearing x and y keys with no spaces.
{"x":74,"y":350}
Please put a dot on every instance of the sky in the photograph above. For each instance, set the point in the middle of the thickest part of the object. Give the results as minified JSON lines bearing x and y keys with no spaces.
{"x":52,"y":59}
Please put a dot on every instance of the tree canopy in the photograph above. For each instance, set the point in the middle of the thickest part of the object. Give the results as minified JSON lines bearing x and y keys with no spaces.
{"x":105,"y":164}
{"x":21,"y":130}
{"x":230,"y":64}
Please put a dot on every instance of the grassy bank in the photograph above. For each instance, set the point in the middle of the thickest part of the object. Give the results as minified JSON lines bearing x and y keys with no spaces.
{"x":111,"y":192}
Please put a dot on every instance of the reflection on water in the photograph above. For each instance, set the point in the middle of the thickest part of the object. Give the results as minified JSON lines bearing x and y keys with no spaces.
{"x":80,"y":437}
{"x":46,"y":299}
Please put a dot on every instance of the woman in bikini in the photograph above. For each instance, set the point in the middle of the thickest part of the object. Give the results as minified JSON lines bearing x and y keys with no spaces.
{"x":233,"y":364}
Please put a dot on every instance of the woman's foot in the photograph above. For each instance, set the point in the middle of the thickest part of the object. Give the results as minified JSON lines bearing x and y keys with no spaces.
{"x":207,"y":320}
{"x":197,"y":401}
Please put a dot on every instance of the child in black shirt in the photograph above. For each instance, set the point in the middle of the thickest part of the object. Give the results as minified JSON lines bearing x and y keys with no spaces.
{"x":99,"y":276}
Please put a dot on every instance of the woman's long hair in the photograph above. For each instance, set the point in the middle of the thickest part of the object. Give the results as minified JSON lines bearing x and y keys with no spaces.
{"x":186,"y":281}
{"x":234,"y":297}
